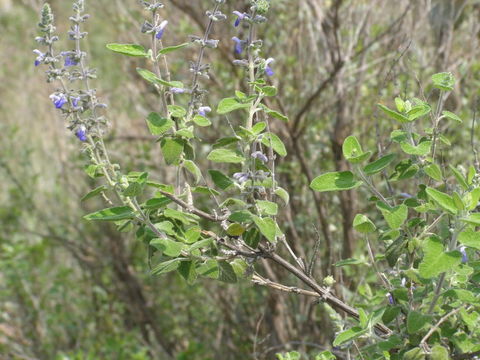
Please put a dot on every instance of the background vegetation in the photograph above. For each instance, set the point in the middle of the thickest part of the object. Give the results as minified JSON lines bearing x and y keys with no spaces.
{"x":75,"y":290}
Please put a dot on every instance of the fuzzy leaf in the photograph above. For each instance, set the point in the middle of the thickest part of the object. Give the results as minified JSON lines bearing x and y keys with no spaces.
{"x":436,"y":261}
{"x":128,"y":49}
{"x":335,"y":181}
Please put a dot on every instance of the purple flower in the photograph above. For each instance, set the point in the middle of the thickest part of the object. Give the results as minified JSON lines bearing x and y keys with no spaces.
{"x":70,"y":60}
{"x":75,"y":100}
{"x":176,"y":90}
{"x":240,"y":17}
{"x":161,"y":29}
{"x":406,"y":195}
{"x":81,"y":133}
{"x":238,"y":45}
{"x":464,"y":254}
{"x":241,"y":177}
{"x":390,"y":299}
{"x":203,"y":110}
{"x":40,"y":57}
{"x":260,"y":156}
{"x":268,"y":70}
{"x":58,"y":100}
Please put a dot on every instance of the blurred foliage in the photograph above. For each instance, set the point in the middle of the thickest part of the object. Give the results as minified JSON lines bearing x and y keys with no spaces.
{"x":74,"y":290}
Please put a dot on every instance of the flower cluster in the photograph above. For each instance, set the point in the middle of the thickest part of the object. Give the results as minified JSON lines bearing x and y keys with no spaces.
{"x":79,"y":106}
{"x":257,"y":10}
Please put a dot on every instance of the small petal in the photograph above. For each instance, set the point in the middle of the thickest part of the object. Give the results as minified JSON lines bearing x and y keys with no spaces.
{"x":390,"y":299}
{"x":240,"y":17}
{"x":238,"y":45}
{"x":176,"y":90}
{"x":241,"y":177}
{"x":268,"y":69}
{"x":260,"y":156}
{"x":161,"y":29}
{"x":81,"y":133}
{"x":203,"y":110}
{"x":464,"y":254}
{"x":58,"y":100}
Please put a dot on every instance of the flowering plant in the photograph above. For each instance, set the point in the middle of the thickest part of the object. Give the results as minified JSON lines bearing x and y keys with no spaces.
{"x":426,"y":301}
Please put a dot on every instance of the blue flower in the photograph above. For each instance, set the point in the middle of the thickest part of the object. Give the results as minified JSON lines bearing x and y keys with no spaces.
{"x":161,"y":29}
{"x":391,"y":300}
{"x":70,"y":60}
{"x":203,"y":110}
{"x":81,"y":133}
{"x":268,"y":70}
{"x":75,"y":100}
{"x":238,"y":44}
{"x":176,"y":90}
{"x":464,"y":254}
{"x":240,"y":17}
{"x":58,"y":100}
{"x":40,"y":57}
{"x":260,"y":156}
{"x":241,"y":177}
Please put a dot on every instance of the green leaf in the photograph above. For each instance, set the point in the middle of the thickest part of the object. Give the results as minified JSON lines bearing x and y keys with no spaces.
{"x":443,"y":200}
{"x":269,"y":90}
{"x":418,"y":111}
{"x":362,"y":224}
{"x":169,"y":49}
{"x":273,"y":141}
{"x":379,"y":165}
{"x":352,"y":150}
{"x":414,"y":354}
{"x":435,"y":261}
{"x":235,"y":229}
{"x":416,"y":321}
{"x":259,"y":127}
{"x":473,"y":219}
{"x":226,"y":273}
{"x":394,"y":216}
{"x":152,"y":78}
{"x":220,"y":180}
{"x":184,"y":218}
{"x":350,"y":261}
{"x":470,"y":238}
{"x":349,"y":335}
{"x":451,"y":116}
{"x":158,"y":125}
{"x":168,"y":247}
{"x":172,"y":150}
{"x":267,"y":207}
{"x":225,"y":156}
{"x":335,"y":181}
{"x":201,"y":121}
{"x":94,"y":193}
{"x":111,"y":214}
{"x":443,"y":81}
{"x":193,"y":169}
{"x":166,"y":266}
{"x":128,"y":49}
{"x":241,"y":216}
{"x":439,"y":353}
{"x":188,"y":271}
{"x":434,"y":171}
{"x":274,"y":114}
{"x":267,"y":227}
{"x":230,"y":104}
{"x":460,"y":178}
{"x":282,"y":194}
{"x":394,"y":115}
{"x":157,"y":203}
{"x":421,"y":149}
{"x":176,"y":111}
